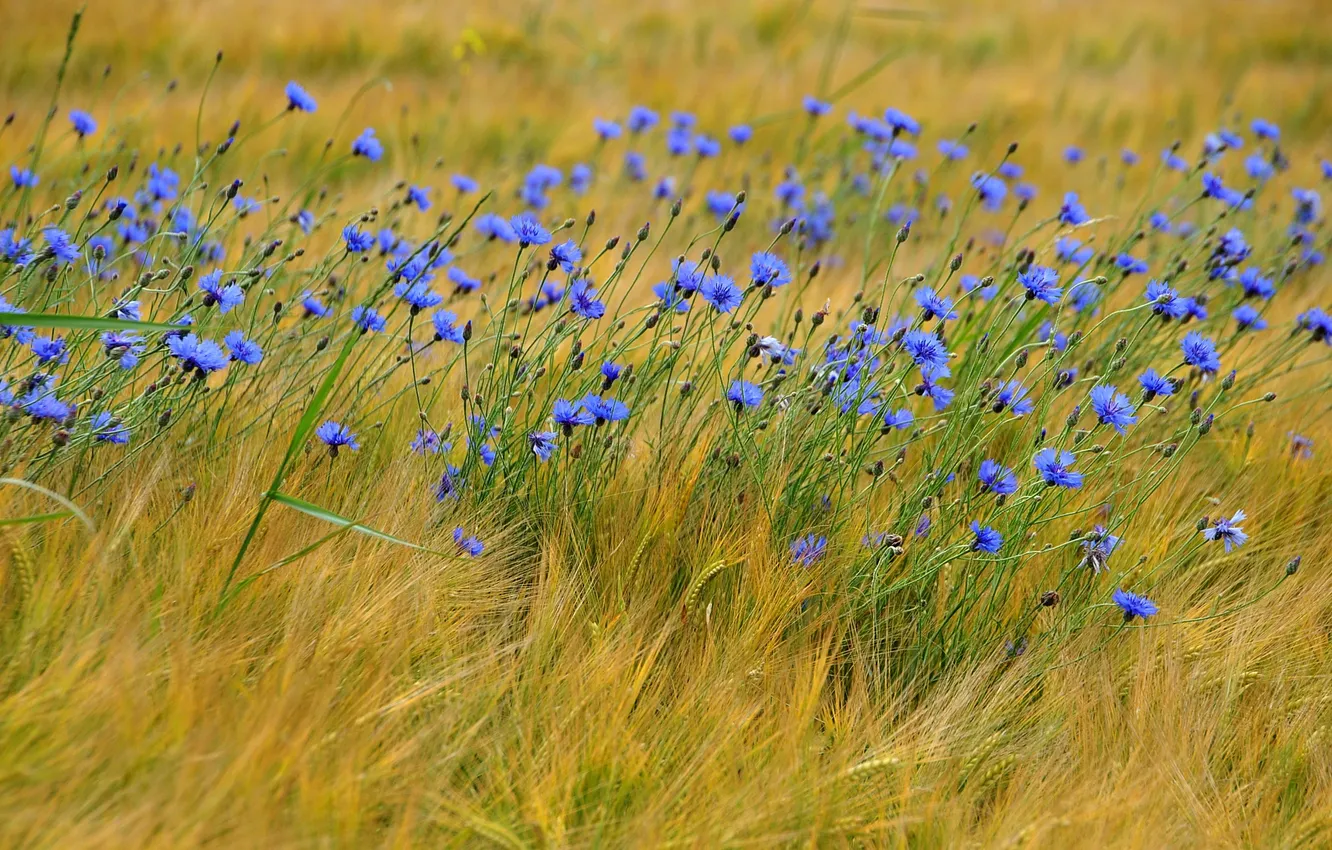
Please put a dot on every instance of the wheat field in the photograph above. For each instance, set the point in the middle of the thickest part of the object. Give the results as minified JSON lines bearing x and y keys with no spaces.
{"x":222,"y":633}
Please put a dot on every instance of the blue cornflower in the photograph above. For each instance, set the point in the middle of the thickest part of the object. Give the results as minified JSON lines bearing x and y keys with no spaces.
{"x":298,"y":99}
{"x":84,"y":124}
{"x":806,"y":550}
{"x":1258,"y":167}
{"x":1130,"y":264}
{"x":418,"y":295}
{"x":1160,"y":221}
{"x":1200,"y":352}
{"x":706,"y":146}
{"x":1300,"y":446}
{"x":611,"y":372}
{"x":1072,"y":212}
{"x":357,"y":240}
{"x":427,"y":442}
{"x":48,"y":349}
{"x":1227,"y":531}
{"x":1015,"y":398}
{"x":641,"y":119}
{"x":669,"y":298}
{"x":952,"y":149}
{"x":543,"y":444}
{"x":305,"y":220}
{"x":1041,"y":282}
{"x":1317,"y":321}
{"x":461,"y":280}
{"x":971,"y":283}
{"x":368,"y":146}
{"x":450,"y":484}
{"x":15,"y":249}
{"x":997,"y":478}
{"x":721,"y":292}
{"x":767,"y":269}
{"x":1128,"y":157}
{"x":1248,"y":318}
{"x":583,"y":300}
{"x":664,"y":189}
{"x":313,"y":306}
{"x":1097,"y":548}
{"x":900,"y":122}
{"x":635,"y":166}
{"x":925,"y":349}
{"x":1165,"y":301}
{"x":605,"y":409}
{"x":1265,"y":129}
{"x":124,"y":347}
{"x":566,"y":256}
{"x":607,"y":130}
{"x":744,"y":394}
{"x":935,"y":304}
{"x":243,"y":350}
{"x":528,"y":230}
{"x":1073,"y":154}
{"x":568,"y":414}
{"x":107,"y":429}
{"x":1155,"y":385}
{"x":899,"y":419}
{"x":816,"y":107}
{"x":420,"y":196}
{"x":776,"y":351}
{"x":1053,"y":465}
{"x":445,"y":329}
{"x":740,"y":133}
{"x":1112,"y":407}
{"x":463,"y":184}
{"x":336,"y":435}
{"x":1174,"y":161}
{"x":23,"y":178}
{"x":61,"y":246}
{"x":227,"y":298}
{"x":469,"y":545}
{"x":986,"y":539}
{"x":1134,"y":605}
{"x":203,"y":356}
{"x":1255,"y":285}
{"x":929,"y":386}
{"x":580,"y":178}
{"x":678,"y":141}
{"x":367,"y":319}
{"x":41,"y":403}
{"x":990,"y":189}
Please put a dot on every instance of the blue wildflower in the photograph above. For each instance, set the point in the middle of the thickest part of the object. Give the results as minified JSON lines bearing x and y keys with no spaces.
{"x":84,"y":124}
{"x":985,"y":539}
{"x":807,"y":550}
{"x":997,"y":478}
{"x":1041,"y":282}
{"x":543,"y":444}
{"x":1200,"y":352}
{"x":368,"y":146}
{"x":606,"y":130}
{"x":583,"y":300}
{"x":298,"y":99}
{"x":313,"y":306}
{"x":62,"y":247}
{"x":568,"y":414}
{"x":243,"y":350}
{"x":469,"y":545}
{"x":203,"y":356}
{"x":1155,"y":385}
{"x":605,"y":409}
{"x":1227,"y":531}
{"x":367,"y":319}
{"x":767,"y":269}
{"x":336,"y":435}
{"x":108,"y":429}
{"x":721,"y":292}
{"x":48,"y":349}
{"x":227,"y":298}
{"x":1014,"y":397}
{"x":744,"y":394}
{"x":641,"y":119}
{"x":24,"y":178}
{"x":1053,"y":465}
{"x":1112,"y":407}
{"x":925,"y":349}
{"x":528,"y":230}
{"x":1247,"y":318}
{"x":1134,"y":605}
{"x":935,"y":304}
{"x":1072,"y":212}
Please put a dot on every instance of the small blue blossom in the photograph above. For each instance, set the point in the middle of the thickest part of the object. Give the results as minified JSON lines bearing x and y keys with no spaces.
{"x":807,"y":550}
{"x":368,"y":146}
{"x":1200,"y":352}
{"x":985,"y":539}
{"x":1134,"y":605}
{"x":298,"y":99}
{"x":744,"y":394}
{"x":84,"y":124}
{"x":336,"y":436}
{"x":1227,"y":531}
{"x":997,"y":478}
{"x":721,"y":292}
{"x":243,"y":350}
{"x":1041,"y":282}
{"x":1053,"y":466}
{"x":108,"y":429}
{"x":469,"y":545}
{"x":1112,"y":407}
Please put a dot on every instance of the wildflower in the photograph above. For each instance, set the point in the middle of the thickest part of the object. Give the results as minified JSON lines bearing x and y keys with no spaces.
{"x":776,"y":351}
{"x":1265,"y":129}
{"x":124,"y":347}
{"x":986,"y":539}
{"x":1130,"y":264}
{"x":1247,"y":317}
{"x":1317,"y":322}
{"x":740,"y":133}
{"x":606,"y":130}
{"x":566,"y":256}
{"x":925,"y":349}
{"x":357,"y":240}
{"x":583,"y":300}
{"x":1258,"y":167}
{"x":463,"y":184}
{"x":367,"y":319}
{"x":929,"y":386}
{"x":84,"y":124}
{"x":1014,"y":397}
{"x":41,"y":403}
{"x":807,"y":550}
{"x":468,"y":544}
{"x":203,"y":356}
{"x":1053,"y":465}
{"x":641,"y":119}
{"x":1227,"y":531}
{"x":1300,"y":446}
{"x":816,"y":107}
{"x":1200,"y":352}
{"x":368,"y":146}
{"x":107,"y":429}
{"x":580,"y":178}
{"x":1134,"y":605}
{"x":990,"y":189}
{"x":1073,"y":154}
{"x":1041,"y":283}
{"x":445,"y":329}
{"x":935,"y":304}
{"x":528,"y":230}
{"x":1154,"y":385}
{"x":243,"y":350}
{"x":420,"y":196}
{"x":48,"y":349}
{"x":62,"y":247}
{"x":336,"y":435}
{"x":461,"y":280}
{"x":1112,"y":407}
{"x":952,"y":149}
{"x":605,"y":410}
{"x":610,"y":372}
{"x":543,"y":444}
{"x":227,"y":298}
{"x":767,"y":269}
{"x":744,"y":394}
{"x":899,"y":419}
{"x":419,"y":296}
{"x":568,"y":414}
{"x":298,"y":99}
{"x":313,"y":306}
{"x":1097,"y":547}
{"x":997,"y":478}
{"x":721,"y":292}
{"x":23,"y":178}
{"x":669,"y":297}
{"x":706,"y":146}
{"x":900,"y":122}
{"x":450,"y":484}
{"x":1072,"y":212}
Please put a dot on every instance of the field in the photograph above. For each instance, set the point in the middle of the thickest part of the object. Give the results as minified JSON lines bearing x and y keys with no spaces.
{"x":765,"y":423}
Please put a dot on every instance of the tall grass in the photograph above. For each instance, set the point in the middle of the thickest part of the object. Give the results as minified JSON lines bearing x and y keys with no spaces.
{"x":347,"y":501}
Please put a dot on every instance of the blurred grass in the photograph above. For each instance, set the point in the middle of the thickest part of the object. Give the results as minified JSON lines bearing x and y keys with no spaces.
{"x":371,"y":698}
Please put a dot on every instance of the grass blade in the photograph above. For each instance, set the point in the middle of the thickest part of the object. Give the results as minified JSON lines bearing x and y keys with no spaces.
{"x":81,"y":323}
{"x":53,"y":496}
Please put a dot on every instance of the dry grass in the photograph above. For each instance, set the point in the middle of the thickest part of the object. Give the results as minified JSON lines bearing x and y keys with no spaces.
{"x":567,"y":694}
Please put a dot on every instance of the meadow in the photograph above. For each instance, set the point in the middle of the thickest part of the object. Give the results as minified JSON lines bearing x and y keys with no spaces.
{"x":716,"y":424}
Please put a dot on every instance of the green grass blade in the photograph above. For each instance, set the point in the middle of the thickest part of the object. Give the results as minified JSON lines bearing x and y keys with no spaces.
{"x":337,"y":519}
{"x":35,"y":518}
{"x":53,"y":496}
{"x":81,"y":323}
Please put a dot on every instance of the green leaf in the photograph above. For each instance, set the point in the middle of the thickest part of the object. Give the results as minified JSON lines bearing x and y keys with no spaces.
{"x":81,"y":323}
{"x":342,"y":522}
{"x":50,"y":494}
{"x":35,"y":518}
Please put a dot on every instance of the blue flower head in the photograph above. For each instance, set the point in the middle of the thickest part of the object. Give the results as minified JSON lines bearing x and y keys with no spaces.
{"x":1112,"y":407}
{"x":1041,"y":283}
{"x":1227,"y":531}
{"x":243,"y":350}
{"x":543,"y":444}
{"x":721,"y":292}
{"x":368,"y":145}
{"x":336,"y":436}
{"x":985,"y":539}
{"x":469,"y":545}
{"x":1134,"y":605}
{"x":528,"y":231}
{"x":744,"y":394}
{"x":1053,"y":466}
{"x":298,"y":99}
{"x":807,"y":550}
{"x":1200,"y":352}
{"x":84,"y":124}
{"x":997,"y":478}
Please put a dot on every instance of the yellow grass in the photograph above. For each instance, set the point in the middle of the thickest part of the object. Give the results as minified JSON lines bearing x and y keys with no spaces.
{"x":371,"y":696}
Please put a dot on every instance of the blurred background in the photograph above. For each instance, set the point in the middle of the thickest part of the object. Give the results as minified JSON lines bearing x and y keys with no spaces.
{"x":514,"y":80}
